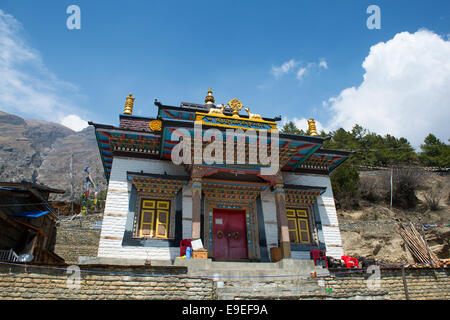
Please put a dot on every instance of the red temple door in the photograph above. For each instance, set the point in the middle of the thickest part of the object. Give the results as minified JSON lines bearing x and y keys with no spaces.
{"x":229,"y":234}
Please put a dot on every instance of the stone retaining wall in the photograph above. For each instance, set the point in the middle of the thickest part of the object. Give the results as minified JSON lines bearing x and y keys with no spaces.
{"x":18,"y":282}
{"x":115,"y":282}
{"x":422,"y":284}
{"x":77,"y":237}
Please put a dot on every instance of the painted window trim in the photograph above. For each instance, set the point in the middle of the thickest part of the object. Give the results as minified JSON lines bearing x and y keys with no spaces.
{"x":292,"y":213}
{"x":137,"y":234}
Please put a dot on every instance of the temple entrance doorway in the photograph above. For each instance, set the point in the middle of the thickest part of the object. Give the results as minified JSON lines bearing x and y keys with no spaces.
{"x":229,"y":234}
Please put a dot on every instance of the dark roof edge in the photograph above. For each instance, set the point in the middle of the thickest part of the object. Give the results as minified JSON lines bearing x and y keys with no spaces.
{"x":303,"y":187}
{"x":159,"y":176}
{"x":200,"y":109}
{"x":133,"y":116}
{"x":107,"y":126}
{"x":31,"y":185}
{"x":304,"y":137}
{"x":338,"y":152}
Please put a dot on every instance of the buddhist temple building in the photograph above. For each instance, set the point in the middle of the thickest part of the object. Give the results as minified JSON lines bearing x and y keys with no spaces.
{"x":238,"y":210}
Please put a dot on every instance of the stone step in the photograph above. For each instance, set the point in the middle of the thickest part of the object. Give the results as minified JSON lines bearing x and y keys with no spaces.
{"x":284,"y":269}
{"x":299,"y":264}
{"x":286,"y":289}
{"x":257,"y":275}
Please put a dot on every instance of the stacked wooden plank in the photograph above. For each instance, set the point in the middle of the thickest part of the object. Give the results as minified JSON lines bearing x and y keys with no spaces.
{"x":443,"y":263}
{"x":416,"y":244}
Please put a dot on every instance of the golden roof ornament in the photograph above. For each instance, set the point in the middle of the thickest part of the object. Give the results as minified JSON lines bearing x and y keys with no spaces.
{"x":209,"y":99}
{"x":236,"y":106}
{"x":217,"y":111}
{"x":254,"y":116}
{"x":155,"y":125}
{"x":129,"y":105}
{"x":312,"y":127}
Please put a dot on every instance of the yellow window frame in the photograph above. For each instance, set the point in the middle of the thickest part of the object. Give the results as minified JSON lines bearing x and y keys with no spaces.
{"x":290,"y":212}
{"x":141,"y":228}
{"x":300,"y":230}
{"x":302,"y":213}
{"x":296,"y":215}
{"x":296,"y":228}
{"x":163,"y":204}
{"x":158,"y":223}
{"x":155,"y":207}
{"x":148,"y":204}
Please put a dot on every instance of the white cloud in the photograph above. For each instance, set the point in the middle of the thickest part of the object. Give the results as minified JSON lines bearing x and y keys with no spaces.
{"x":405,"y":89}
{"x":293,"y":64}
{"x":301,"y":73}
{"x":27,"y":87}
{"x":323,"y":64}
{"x":74,"y":122}
{"x":284,"y":68}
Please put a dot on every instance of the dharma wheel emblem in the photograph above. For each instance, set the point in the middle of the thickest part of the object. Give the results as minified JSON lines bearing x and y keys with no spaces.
{"x":236,"y":106}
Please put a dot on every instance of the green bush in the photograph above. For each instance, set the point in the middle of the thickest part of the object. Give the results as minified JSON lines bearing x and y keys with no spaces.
{"x":344,"y":181}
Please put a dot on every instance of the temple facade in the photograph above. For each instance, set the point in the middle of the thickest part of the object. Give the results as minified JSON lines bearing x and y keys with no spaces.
{"x":239,"y":185}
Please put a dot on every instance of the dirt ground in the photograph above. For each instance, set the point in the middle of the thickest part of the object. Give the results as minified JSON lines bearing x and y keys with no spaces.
{"x":371,"y":231}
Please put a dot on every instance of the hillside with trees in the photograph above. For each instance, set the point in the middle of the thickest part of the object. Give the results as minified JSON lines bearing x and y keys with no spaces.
{"x":372,"y":151}
{"x":362,"y":191}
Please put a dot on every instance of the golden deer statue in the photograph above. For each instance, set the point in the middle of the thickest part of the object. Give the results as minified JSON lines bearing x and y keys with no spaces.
{"x":253,"y":115}
{"x":218,"y":111}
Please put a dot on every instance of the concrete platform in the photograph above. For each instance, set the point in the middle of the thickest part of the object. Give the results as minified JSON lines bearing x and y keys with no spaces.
{"x":222,"y":270}
{"x":219,"y":270}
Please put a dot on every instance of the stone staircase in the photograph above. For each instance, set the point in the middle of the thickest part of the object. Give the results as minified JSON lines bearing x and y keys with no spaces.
{"x":286,"y":279}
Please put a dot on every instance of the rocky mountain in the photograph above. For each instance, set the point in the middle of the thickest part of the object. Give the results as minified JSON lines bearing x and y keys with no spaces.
{"x":40,"y":151}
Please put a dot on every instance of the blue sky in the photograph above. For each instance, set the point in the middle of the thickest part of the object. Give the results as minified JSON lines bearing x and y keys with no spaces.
{"x":175,"y":50}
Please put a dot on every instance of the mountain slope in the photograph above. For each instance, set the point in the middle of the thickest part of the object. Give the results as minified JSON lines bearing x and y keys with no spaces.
{"x":40,"y":151}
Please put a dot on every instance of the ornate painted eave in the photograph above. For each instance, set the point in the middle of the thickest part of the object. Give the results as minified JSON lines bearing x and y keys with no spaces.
{"x":299,"y":196}
{"x":184,"y":179}
{"x":156,"y":185}
{"x":301,"y":188}
{"x":324,"y":161}
{"x":294,"y":149}
{"x":113,"y":141}
{"x":232,"y":190}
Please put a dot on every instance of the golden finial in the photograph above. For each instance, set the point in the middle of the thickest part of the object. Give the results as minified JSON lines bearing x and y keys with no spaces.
{"x":312,"y":127}
{"x":129,"y":105}
{"x":236,"y":106}
{"x":209,"y":99}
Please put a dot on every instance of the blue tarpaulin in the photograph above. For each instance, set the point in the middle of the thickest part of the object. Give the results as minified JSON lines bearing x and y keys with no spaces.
{"x":31,"y":214}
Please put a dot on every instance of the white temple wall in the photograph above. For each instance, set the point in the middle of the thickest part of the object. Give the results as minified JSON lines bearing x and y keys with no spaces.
{"x":117,"y":210}
{"x":330,"y":233}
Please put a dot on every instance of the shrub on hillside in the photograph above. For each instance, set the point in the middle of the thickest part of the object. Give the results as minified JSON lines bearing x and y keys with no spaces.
{"x":433,"y":195}
{"x":405,"y":182}
{"x":371,"y":188}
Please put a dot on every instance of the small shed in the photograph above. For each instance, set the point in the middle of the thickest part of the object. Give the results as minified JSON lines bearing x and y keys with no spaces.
{"x":27,"y":223}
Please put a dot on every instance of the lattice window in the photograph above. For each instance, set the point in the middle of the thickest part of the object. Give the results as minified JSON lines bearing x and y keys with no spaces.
{"x":154,"y":220}
{"x":298,"y":224}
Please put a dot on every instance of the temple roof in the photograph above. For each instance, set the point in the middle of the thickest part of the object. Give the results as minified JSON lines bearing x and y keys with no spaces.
{"x":153,"y":137}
